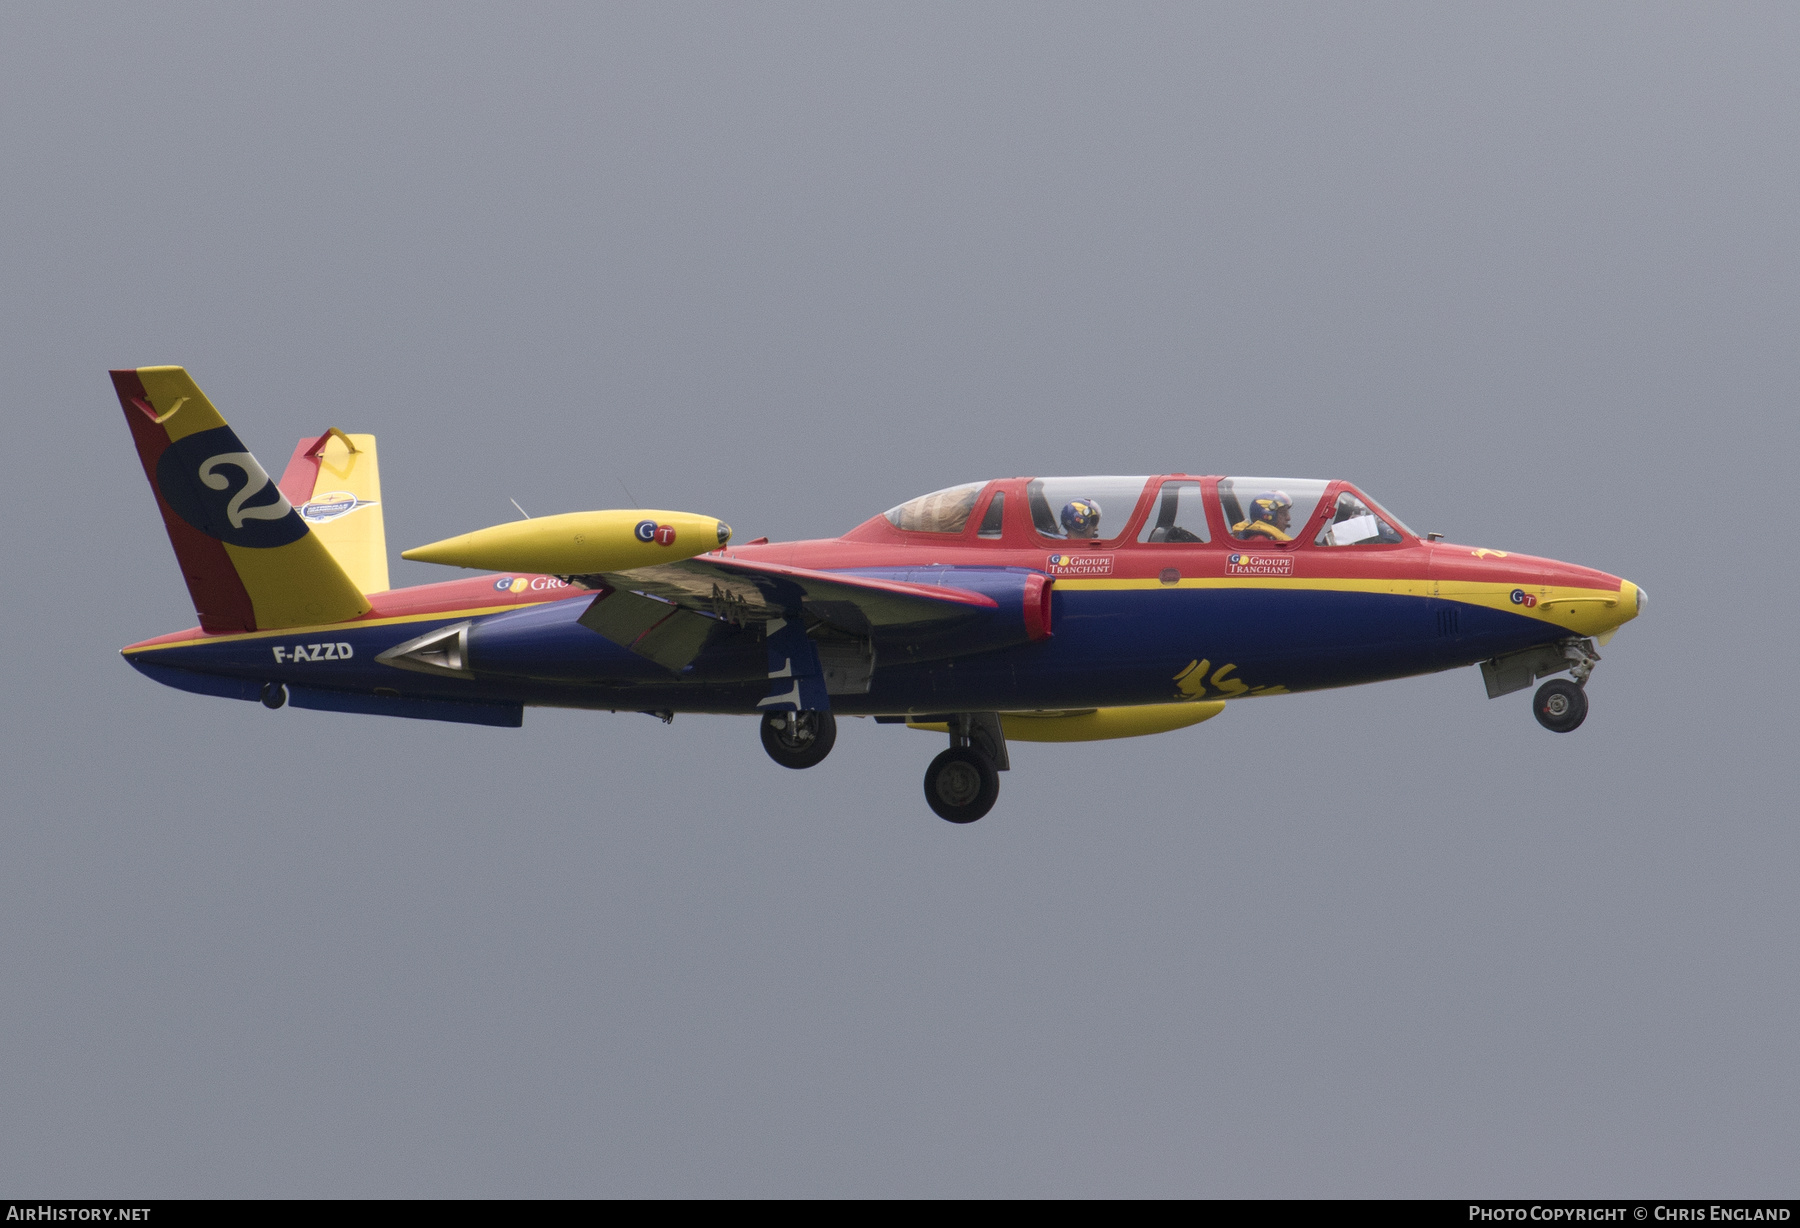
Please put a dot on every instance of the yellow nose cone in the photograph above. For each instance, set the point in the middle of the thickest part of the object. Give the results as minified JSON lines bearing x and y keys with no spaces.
{"x":1631,"y":601}
{"x":580,"y":543}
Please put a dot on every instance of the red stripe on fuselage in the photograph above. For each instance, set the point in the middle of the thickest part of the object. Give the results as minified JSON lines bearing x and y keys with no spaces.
{"x":447,"y":598}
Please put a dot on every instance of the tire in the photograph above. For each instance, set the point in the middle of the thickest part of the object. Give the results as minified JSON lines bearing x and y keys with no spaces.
{"x":273,"y":695}
{"x":961,"y":785}
{"x":1560,"y":705}
{"x":802,"y":740}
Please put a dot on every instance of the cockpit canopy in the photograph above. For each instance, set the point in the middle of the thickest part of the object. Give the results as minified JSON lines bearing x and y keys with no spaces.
{"x":1253,"y":509}
{"x":941,"y":511}
{"x":1092,"y":508}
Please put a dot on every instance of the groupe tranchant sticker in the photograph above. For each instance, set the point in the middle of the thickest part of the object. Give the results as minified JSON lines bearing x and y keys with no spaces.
{"x":1259,"y":564}
{"x":1080,"y":565}
{"x":535,"y":584}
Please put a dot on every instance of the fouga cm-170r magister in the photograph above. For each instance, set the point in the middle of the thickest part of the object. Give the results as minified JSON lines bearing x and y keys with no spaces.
{"x":1023,"y":609}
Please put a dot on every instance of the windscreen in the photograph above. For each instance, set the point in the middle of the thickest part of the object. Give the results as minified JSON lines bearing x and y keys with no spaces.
{"x":941,"y":511}
{"x":1355,"y":523}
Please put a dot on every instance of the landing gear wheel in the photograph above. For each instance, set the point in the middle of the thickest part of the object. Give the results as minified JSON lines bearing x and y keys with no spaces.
{"x":801,"y":739}
{"x":1560,"y":705}
{"x":961,"y":785}
{"x":273,"y":695}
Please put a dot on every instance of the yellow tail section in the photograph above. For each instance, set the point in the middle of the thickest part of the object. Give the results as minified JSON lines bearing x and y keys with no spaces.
{"x":335,"y":482}
{"x":251,"y":561}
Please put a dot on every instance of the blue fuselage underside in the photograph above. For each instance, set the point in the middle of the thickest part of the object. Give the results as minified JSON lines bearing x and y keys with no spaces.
{"x":1108,"y":647}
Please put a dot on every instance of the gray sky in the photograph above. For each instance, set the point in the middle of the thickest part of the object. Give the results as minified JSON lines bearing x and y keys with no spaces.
{"x":1526,"y":273}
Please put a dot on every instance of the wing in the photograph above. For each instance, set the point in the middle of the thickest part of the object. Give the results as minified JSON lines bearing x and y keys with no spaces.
{"x":668,"y":612}
{"x":740,"y":591}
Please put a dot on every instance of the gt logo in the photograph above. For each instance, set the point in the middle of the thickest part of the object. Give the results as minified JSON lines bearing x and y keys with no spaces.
{"x":313,"y":652}
{"x":649,"y":531}
{"x":1521,"y":597}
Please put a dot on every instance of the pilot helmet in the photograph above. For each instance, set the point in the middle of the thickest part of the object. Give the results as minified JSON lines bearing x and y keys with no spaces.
{"x":1080,"y":517}
{"x":1268,"y":504}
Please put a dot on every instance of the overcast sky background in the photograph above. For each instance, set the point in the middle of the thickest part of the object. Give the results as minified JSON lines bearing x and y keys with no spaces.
{"x":1526,"y":273}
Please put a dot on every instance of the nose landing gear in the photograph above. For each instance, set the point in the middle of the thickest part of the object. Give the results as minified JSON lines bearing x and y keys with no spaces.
{"x":798,"y":739}
{"x":273,"y":695}
{"x":1560,"y":705}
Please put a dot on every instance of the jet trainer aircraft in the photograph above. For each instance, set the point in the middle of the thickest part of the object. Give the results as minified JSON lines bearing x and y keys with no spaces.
{"x":1023,"y":609}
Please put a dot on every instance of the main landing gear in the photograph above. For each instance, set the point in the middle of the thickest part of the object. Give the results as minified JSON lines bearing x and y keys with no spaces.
{"x":963,"y":782}
{"x":961,"y":785}
{"x":273,"y":695}
{"x":798,"y":739}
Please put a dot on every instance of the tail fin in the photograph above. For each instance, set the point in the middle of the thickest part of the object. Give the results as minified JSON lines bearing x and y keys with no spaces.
{"x":329,"y":478}
{"x":250,"y":561}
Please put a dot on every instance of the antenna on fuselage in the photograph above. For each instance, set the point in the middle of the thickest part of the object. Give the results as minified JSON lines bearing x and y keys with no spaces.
{"x":522,"y":511}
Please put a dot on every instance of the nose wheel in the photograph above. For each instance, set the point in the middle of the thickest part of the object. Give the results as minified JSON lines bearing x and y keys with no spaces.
{"x":1560,"y":705}
{"x":961,"y":785}
{"x":273,"y":695}
{"x":798,"y":739}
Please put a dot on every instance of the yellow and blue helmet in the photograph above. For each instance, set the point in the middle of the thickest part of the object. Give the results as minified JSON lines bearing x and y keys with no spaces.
{"x":1269,"y":504}
{"x":1080,"y":517}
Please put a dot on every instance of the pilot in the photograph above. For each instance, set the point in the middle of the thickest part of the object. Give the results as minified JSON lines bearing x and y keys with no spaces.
{"x":1271,"y":517}
{"x":1081,"y":519}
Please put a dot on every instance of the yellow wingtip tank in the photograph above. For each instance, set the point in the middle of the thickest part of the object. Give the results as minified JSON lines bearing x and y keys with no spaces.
{"x":580,"y":543}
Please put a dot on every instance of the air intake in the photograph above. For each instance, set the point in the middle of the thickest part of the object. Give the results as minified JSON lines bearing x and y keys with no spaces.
{"x":444,"y":651}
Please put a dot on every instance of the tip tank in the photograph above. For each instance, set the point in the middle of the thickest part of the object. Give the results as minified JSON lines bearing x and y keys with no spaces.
{"x":580,"y":543}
